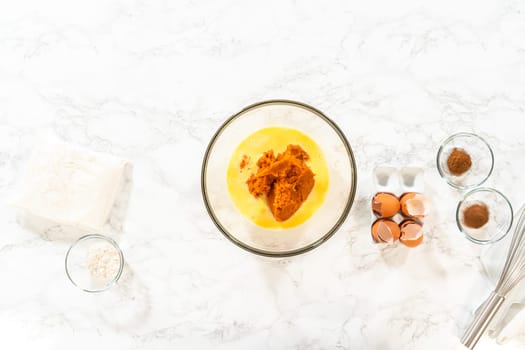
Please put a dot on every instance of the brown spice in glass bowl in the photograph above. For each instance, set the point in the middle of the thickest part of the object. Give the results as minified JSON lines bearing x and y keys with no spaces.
{"x":459,"y":161}
{"x":476,"y":215}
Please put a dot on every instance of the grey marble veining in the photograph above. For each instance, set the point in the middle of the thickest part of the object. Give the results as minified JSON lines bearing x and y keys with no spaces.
{"x":151,"y":81}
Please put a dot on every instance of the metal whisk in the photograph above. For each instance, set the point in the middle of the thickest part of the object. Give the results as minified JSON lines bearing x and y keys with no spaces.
{"x":513,"y":272}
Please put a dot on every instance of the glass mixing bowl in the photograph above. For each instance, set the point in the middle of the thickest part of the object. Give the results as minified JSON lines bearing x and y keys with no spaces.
{"x":326,"y":219}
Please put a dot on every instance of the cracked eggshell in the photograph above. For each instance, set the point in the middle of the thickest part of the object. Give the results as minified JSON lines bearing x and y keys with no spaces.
{"x":385,"y":204}
{"x":385,"y":231}
{"x":411,"y":233}
{"x":414,"y":204}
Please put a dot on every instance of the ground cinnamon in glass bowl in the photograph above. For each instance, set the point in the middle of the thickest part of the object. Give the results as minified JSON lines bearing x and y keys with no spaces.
{"x":484,"y":215}
{"x":465,"y":160}
{"x":458,"y":162}
{"x":476,"y":215}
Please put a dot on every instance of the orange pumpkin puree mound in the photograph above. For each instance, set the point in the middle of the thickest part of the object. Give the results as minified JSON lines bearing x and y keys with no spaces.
{"x":285,"y":180}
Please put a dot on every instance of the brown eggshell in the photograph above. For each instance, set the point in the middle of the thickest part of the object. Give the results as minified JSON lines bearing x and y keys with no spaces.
{"x":411,"y":233}
{"x":385,"y":205}
{"x":385,"y":231}
{"x":414,"y":205}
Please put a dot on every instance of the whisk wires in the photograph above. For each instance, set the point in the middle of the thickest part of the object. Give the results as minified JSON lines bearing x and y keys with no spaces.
{"x":514,"y":269}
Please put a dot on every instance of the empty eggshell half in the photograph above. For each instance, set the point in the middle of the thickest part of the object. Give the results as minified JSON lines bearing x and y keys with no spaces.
{"x":411,"y":233}
{"x":385,"y":205}
{"x":385,"y":231}
{"x":414,"y":205}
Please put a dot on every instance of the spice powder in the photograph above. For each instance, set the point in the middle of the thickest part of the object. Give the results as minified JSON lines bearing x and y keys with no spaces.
{"x":476,"y":215}
{"x":459,"y":161}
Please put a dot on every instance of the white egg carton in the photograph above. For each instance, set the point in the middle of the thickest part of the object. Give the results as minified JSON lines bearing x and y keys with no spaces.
{"x":396,"y":180}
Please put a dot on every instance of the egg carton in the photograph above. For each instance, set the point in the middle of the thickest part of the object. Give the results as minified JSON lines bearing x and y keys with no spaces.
{"x":397,"y":181}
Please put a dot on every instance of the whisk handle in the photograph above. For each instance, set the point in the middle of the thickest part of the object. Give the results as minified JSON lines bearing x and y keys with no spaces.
{"x":482,"y":320}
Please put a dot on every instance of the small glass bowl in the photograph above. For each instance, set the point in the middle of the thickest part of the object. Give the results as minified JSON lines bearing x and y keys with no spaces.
{"x":94,"y":263}
{"x":480,"y":153}
{"x":500,"y":215}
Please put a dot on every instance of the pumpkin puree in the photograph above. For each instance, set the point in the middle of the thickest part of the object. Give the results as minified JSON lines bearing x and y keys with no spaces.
{"x":285,"y":180}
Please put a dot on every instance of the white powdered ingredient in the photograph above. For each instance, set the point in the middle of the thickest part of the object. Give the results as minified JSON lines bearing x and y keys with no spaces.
{"x":69,"y":185}
{"x":103,"y":262}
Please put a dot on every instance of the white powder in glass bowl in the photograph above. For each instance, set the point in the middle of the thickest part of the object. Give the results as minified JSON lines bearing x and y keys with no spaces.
{"x":103,"y":262}
{"x":94,"y":263}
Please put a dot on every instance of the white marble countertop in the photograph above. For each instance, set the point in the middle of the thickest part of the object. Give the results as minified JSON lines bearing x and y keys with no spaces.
{"x":151,"y":81}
